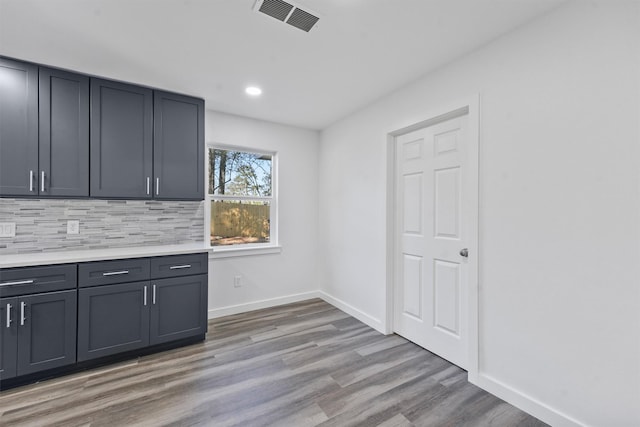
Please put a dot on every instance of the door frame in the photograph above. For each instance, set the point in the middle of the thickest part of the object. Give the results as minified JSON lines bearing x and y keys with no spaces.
{"x":468,"y":106}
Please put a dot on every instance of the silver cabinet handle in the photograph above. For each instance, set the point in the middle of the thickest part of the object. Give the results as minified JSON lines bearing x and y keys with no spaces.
{"x":177,"y":267}
{"x":145,"y":295}
{"x":115,"y":273}
{"x":42,"y":181}
{"x":464,"y":252}
{"x":157,"y":186}
{"x":22,"y":316}
{"x":154,"y":295}
{"x":18,"y":282}
{"x":31,"y":181}
{"x":9,"y":307}
{"x":148,"y":186}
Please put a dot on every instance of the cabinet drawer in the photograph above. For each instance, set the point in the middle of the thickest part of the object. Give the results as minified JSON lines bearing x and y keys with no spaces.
{"x":179,"y":265}
{"x":109,"y":272}
{"x":30,"y":280}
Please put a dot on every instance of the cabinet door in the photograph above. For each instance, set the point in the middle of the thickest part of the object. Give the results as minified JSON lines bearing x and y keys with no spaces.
{"x":112,"y":319}
{"x":64,"y":134}
{"x":8,"y":338}
{"x":46,"y":331}
{"x":121,"y":140}
{"x":178,"y":156}
{"x":18,"y":128}
{"x":178,"y":308}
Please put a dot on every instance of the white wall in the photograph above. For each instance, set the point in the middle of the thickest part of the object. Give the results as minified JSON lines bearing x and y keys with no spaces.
{"x":292,"y":274}
{"x":559,"y":209}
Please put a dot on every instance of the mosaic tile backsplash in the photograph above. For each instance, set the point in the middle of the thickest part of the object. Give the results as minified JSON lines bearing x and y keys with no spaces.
{"x":41,"y":225}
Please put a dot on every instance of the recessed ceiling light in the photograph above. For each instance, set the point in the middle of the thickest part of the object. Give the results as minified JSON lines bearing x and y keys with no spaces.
{"x":253,"y":91}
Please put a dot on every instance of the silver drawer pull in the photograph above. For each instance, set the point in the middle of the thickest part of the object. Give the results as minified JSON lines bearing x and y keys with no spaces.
{"x":18,"y":282}
{"x":154,"y":295}
{"x":145,"y":295}
{"x":9,"y":307}
{"x":31,"y":181}
{"x":42,"y":182}
{"x":115,"y":273}
{"x":22,"y":316}
{"x":177,"y":267}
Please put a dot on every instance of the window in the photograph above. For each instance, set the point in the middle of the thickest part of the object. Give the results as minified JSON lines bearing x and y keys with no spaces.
{"x":241,"y":198}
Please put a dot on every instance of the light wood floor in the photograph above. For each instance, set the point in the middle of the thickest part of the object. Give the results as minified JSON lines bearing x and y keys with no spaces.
{"x":303,"y":364}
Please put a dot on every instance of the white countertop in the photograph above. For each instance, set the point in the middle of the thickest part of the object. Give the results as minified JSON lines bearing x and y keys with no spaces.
{"x":63,"y":257}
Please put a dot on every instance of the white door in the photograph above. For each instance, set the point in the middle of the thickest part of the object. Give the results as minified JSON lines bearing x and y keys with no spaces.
{"x":433,"y":228}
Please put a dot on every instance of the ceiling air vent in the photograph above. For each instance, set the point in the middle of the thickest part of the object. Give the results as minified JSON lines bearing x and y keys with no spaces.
{"x":287,"y":12}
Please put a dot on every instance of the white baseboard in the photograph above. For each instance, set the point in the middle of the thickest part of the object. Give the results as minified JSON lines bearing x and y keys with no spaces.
{"x":524,"y":402}
{"x":257,"y":305}
{"x":376,"y":324}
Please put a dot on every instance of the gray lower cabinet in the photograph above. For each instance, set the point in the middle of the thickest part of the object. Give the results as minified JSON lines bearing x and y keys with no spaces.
{"x":112,"y":319}
{"x":46,"y":331}
{"x":39,"y":332}
{"x":56,"y":315}
{"x":8,"y":338}
{"x":178,"y":308}
{"x":18,"y":128}
{"x":129,"y":304}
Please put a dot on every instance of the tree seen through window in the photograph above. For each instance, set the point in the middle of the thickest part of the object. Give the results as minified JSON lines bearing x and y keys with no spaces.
{"x":240,"y":189}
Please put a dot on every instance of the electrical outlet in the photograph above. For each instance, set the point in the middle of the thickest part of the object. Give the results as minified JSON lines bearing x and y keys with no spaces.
{"x":7,"y":229}
{"x":237,"y":281}
{"x":73,"y":227}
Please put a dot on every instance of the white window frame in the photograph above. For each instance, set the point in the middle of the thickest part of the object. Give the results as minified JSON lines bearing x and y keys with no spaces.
{"x":244,"y":249}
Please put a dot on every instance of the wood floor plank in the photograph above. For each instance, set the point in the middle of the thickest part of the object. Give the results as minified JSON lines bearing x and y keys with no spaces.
{"x":300,"y":365}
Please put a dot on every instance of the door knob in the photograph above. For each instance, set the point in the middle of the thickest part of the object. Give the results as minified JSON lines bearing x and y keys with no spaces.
{"x":464,"y":252}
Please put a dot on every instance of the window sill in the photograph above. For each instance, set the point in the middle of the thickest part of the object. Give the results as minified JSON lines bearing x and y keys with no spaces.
{"x":217,"y":252}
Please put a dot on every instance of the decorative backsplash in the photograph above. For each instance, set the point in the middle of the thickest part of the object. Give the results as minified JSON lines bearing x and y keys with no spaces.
{"x":41,"y":224}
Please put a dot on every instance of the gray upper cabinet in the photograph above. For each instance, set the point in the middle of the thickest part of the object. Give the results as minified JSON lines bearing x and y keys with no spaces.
{"x":69,"y":135}
{"x":44,"y":131}
{"x":178,"y":148}
{"x":18,"y":128}
{"x":121,"y":140}
{"x":64,"y":134}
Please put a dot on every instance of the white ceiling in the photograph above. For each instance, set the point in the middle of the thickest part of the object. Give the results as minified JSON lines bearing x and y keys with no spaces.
{"x":359,"y":51}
